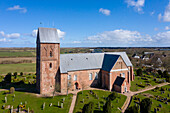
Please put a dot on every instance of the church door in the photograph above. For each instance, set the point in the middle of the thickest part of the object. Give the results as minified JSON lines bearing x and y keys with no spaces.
{"x":76,"y":85}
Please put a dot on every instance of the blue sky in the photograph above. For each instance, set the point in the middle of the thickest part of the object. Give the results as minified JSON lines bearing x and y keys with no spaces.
{"x":87,"y":23}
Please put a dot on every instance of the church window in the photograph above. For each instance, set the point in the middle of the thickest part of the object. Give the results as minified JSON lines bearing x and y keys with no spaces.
{"x":50,"y":65}
{"x":51,"y":54}
{"x":69,"y":77}
{"x":123,"y":75}
{"x":90,"y":76}
{"x":75,"y":77}
{"x":96,"y":76}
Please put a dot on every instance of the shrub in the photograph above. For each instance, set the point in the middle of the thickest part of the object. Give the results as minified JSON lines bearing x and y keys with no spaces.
{"x":132,"y":109}
{"x":15,"y":75}
{"x":139,"y":72}
{"x":145,"y":105}
{"x":107,"y":108}
{"x":12,"y":90}
{"x":160,"y":72}
{"x":113,"y":96}
{"x":88,"y":108}
{"x":21,"y":73}
{"x":165,"y":74}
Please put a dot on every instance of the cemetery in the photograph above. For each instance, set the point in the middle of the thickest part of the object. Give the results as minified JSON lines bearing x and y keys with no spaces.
{"x":160,"y":98}
{"x":16,"y":101}
{"x":99,"y":98}
{"x":146,"y":80}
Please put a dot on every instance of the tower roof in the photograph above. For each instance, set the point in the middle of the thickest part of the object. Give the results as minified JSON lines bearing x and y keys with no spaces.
{"x":47,"y":35}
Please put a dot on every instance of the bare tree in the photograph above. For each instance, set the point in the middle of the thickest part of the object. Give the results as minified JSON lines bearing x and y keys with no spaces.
{"x":83,"y":84}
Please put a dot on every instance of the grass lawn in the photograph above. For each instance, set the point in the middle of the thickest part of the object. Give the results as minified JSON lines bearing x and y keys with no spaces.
{"x":138,"y":80}
{"x":79,"y":104}
{"x":35,"y":103}
{"x":165,"y":107}
{"x":17,"y":54}
{"x":27,"y":67}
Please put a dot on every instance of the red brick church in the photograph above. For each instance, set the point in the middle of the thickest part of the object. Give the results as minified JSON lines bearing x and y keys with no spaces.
{"x":63,"y":72}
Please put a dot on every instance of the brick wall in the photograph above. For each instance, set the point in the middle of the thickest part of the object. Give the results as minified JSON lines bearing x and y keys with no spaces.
{"x":49,"y":67}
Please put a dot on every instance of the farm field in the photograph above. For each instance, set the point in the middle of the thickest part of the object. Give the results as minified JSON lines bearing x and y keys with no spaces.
{"x":35,"y":103}
{"x":4,"y":54}
{"x":155,"y":95}
{"x":118,"y":102}
{"x":25,"y":67}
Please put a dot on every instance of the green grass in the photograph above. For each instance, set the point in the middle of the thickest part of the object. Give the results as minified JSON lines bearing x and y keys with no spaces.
{"x":27,"y":67}
{"x":138,"y":80}
{"x":17,"y":54}
{"x":165,"y":107}
{"x":35,"y":103}
{"x":79,"y":105}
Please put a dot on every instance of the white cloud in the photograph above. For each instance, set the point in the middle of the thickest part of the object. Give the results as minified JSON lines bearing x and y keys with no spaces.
{"x":152,"y":13}
{"x":122,"y":37}
{"x":104,"y":11}
{"x":76,"y":42}
{"x":12,"y":35}
{"x":17,"y":7}
{"x":34,"y":33}
{"x":136,"y":4}
{"x":155,"y":29}
{"x":159,"y":17}
{"x":4,"y":40}
{"x":167,"y":27}
{"x":61,"y":34}
{"x":166,"y":16}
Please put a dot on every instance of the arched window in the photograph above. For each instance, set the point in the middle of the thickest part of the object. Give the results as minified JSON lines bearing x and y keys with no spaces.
{"x":96,"y":76}
{"x":50,"y":65}
{"x":75,"y":77}
{"x":69,"y":77}
{"x":51,"y":53}
{"x":90,"y":76}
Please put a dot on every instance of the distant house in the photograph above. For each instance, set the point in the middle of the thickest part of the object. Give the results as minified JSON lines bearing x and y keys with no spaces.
{"x":63,"y":72}
{"x":135,"y":56}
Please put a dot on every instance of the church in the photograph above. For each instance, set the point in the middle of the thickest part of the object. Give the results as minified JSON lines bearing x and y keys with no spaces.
{"x":112,"y":71}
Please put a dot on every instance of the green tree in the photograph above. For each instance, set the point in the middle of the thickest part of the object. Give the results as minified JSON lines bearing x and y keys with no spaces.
{"x":88,"y":108}
{"x":113,"y":95}
{"x":145,"y":105}
{"x":8,"y":78}
{"x":107,"y":108}
{"x":132,"y":109}
{"x":21,"y":73}
{"x":15,"y":75}
{"x":165,"y":74}
{"x":139,"y":72}
{"x":160,"y":72}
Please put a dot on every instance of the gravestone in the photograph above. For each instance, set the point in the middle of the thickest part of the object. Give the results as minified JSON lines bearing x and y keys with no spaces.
{"x":13,"y":99}
{"x":11,"y":109}
{"x":58,"y":103}
{"x":5,"y":99}
{"x":61,"y":105}
{"x":43,"y":105}
{"x":50,"y":104}
{"x":166,"y":102}
{"x":160,"y":105}
{"x":83,"y":101}
{"x":99,"y":105}
{"x":28,"y":110}
{"x":155,"y":111}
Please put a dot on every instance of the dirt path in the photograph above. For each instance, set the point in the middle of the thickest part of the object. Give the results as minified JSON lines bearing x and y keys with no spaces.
{"x":130,"y":94}
{"x":73,"y":103}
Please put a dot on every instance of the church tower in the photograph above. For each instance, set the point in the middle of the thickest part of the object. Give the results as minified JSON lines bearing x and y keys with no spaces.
{"x":47,"y":60}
